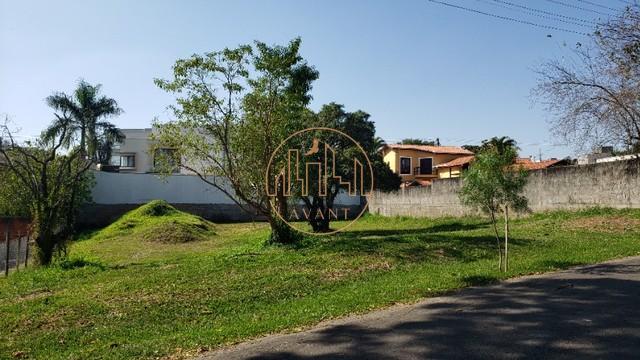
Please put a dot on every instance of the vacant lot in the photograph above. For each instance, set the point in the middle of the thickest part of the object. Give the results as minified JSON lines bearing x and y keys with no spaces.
{"x":124,"y":294}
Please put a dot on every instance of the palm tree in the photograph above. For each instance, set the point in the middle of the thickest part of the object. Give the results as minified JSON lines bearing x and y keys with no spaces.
{"x":379,"y":143}
{"x":85,"y":109}
{"x":107,"y":139}
{"x":499,"y":144}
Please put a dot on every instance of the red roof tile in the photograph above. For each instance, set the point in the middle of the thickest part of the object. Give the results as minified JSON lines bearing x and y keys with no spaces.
{"x":463,"y":160}
{"x":416,"y":182}
{"x":530,"y":165}
{"x":432,"y":149}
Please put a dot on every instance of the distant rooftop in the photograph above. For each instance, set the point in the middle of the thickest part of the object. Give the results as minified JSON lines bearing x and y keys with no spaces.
{"x":432,"y":149}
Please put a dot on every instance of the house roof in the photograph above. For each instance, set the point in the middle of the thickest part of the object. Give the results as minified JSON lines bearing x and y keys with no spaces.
{"x":431,"y":149}
{"x":529,"y":164}
{"x":540,"y":164}
{"x":525,"y":163}
{"x":463,"y":160}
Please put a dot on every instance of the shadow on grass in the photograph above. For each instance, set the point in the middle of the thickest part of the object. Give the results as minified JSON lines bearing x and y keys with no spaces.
{"x":436,"y":228}
{"x":413,"y":245}
{"x":478,"y":280}
{"x":70,"y":264}
{"x":559,"y":264}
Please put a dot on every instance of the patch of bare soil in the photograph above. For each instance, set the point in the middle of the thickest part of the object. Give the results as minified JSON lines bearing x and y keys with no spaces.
{"x":611,"y":224}
{"x":35,"y":295}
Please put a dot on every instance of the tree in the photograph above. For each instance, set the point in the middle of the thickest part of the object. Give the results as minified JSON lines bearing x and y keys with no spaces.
{"x":379,"y":143}
{"x":410,"y":141}
{"x":594,"y":98}
{"x":358,"y":126}
{"x":473,"y":148}
{"x":52,"y":183}
{"x":234,"y":108}
{"x":494,"y":186}
{"x":86,"y":108}
{"x":501,"y":144}
{"x":14,"y":198}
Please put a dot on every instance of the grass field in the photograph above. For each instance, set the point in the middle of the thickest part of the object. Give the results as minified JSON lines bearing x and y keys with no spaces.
{"x":122,"y":294}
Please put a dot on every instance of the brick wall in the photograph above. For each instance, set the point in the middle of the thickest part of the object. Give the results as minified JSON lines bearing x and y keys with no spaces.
{"x":17,"y":227}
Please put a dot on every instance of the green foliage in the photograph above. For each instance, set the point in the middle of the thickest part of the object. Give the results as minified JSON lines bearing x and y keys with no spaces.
{"x":162,"y":300}
{"x":48,"y":177}
{"x":48,"y":186}
{"x":499,"y":144}
{"x":86,"y":109}
{"x":233,"y":108}
{"x":492,"y":182}
{"x":503,"y":145}
{"x":362,"y":130}
{"x":14,"y":197}
{"x":157,"y":221}
{"x":493,"y":185}
{"x":411,"y":141}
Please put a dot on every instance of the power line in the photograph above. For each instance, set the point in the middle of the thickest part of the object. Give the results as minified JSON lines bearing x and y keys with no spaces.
{"x":578,"y":7}
{"x":545,"y":12}
{"x":549,"y":27}
{"x":537,"y":15}
{"x":598,"y":5}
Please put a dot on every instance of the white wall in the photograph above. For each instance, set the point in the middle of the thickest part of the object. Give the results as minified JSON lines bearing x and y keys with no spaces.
{"x":136,"y":142}
{"x":134,"y":188}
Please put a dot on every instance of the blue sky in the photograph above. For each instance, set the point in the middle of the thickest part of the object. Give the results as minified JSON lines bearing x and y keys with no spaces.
{"x":421,"y":69}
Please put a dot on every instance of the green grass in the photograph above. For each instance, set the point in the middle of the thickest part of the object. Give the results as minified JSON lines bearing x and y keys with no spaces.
{"x":156,"y":221}
{"x":123,"y":295}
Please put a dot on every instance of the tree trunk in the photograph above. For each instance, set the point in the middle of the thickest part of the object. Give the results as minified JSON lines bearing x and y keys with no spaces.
{"x":495,"y":229}
{"x":45,"y":242}
{"x":83,"y":140}
{"x":281,"y":232}
{"x":506,"y":238}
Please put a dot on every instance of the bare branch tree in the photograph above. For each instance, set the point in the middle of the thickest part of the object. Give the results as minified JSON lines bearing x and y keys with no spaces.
{"x":595,"y":97}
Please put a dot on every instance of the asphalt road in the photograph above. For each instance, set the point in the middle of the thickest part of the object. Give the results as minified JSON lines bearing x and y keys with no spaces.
{"x":591,"y":312}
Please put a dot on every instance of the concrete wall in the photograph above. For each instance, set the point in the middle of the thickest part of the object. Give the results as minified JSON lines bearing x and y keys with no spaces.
{"x":615,"y":185}
{"x":131,"y":188}
{"x":116,"y":193}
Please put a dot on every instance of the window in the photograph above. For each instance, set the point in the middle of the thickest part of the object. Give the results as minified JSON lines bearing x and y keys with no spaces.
{"x":128,"y":161}
{"x":405,"y":166}
{"x":426,"y":166}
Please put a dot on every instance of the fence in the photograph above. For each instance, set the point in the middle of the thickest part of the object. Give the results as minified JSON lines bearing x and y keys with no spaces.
{"x":613,"y":184}
{"x":14,"y":244}
{"x":116,"y":193}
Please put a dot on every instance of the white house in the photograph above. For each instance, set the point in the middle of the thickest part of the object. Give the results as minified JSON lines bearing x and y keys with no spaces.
{"x":135,"y":154}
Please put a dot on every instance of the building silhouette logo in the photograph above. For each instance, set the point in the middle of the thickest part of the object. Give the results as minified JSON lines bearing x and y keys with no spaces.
{"x":319,"y":175}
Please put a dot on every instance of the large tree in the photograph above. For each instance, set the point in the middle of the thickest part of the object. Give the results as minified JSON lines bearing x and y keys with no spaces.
{"x":595,"y":96}
{"x":87,"y":111}
{"x":233,"y":108}
{"x":362,"y":130}
{"x":51,"y":182}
